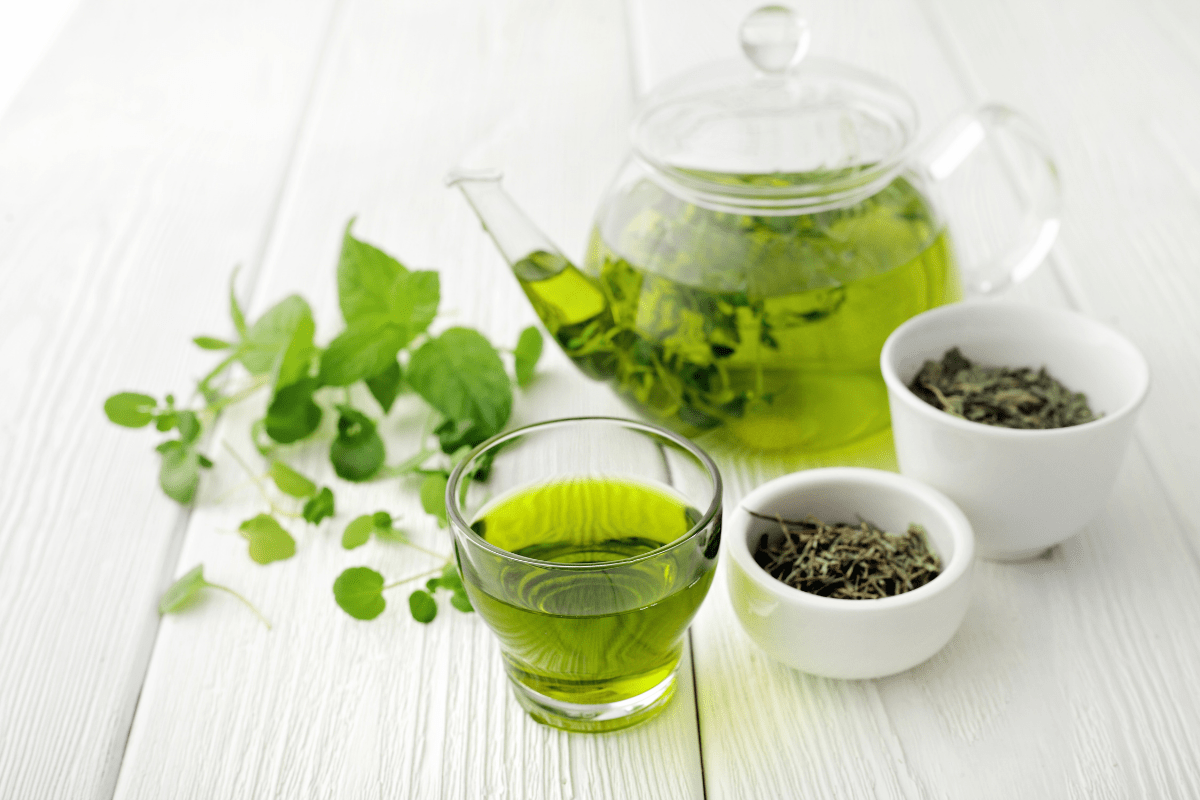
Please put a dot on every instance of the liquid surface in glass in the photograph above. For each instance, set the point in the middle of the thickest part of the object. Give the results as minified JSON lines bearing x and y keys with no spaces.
{"x":766,"y":328}
{"x":591,"y":636}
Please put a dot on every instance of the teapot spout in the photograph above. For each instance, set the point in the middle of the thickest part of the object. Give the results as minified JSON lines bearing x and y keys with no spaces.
{"x":526,"y":249}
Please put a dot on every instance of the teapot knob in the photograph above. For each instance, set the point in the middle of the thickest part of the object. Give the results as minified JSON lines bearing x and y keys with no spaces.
{"x":774,"y":38}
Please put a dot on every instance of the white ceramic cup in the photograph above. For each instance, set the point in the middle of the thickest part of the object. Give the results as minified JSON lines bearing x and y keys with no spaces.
{"x":849,"y":638}
{"x":1023,"y":490}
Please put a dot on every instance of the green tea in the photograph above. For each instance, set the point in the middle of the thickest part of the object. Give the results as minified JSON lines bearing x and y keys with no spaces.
{"x":591,"y":634}
{"x":768,"y":328}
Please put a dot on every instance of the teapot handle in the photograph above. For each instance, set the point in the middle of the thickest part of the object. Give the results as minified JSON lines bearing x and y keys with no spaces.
{"x":990,"y":170}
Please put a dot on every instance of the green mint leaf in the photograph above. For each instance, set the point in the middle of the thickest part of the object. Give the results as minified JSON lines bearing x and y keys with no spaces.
{"x":364,"y":275}
{"x":422,"y":606}
{"x":460,"y":374}
{"x":130,"y":409}
{"x":235,"y":310}
{"x":319,"y":507}
{"x":179,"y":474}
{"x":526,"y":355}
{"x":359,"y":592}
{"x":293,"y":414}
{"x":357,"y":453}
{"x":268,"y":540}
{"x":362,"y":350}
{"x":433,"y":496}
{"x":189,"y":426}
{"x":294,"y":362}
{"x":291,"y":482}
{"x":454,"y":436}
{"x":460,"y":601}
{"x":382,"y":519}
{"x":450,"y":578}
{"x":211,"y":343}
{"x":205,"y":461}
{"x":358,"y":531}
{"x":385,"y":385}
{"x":166,"y":420}
{"x":182,"y":591}
{"x":269,"y":339}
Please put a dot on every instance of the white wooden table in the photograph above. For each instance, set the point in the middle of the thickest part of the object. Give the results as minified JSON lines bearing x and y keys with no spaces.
{"x":159,"y":143}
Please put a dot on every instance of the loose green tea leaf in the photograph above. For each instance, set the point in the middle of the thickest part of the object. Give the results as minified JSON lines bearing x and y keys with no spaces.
{"x":849,"y":562}
{"x":319,"y":507}
{"x":291,"y":482}
{"x":526,"y":355}
{"x":385,"y":385}
{"x":433,"y":496}
{"x":357,"y":453}
{"x":422,"y":606}
{"x":268,"y":540}
{"x":460,"y":374}
{"x":1000,"y":396}
{"x":358,"y":532}
{"x":130,"y":409}
{"x":293,"y":414}
{"x":359,"y":592}
{"x":180,"y":593}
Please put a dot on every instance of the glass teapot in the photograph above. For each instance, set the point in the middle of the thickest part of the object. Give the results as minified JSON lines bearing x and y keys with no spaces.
{"x":773,"y":223}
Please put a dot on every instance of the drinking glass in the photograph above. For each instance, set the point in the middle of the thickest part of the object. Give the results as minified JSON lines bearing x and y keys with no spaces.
{"x":587,"y":546}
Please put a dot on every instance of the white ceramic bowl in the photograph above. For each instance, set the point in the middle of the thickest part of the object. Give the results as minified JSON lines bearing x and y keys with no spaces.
{"x":849,"y":638}
{"x":1023,"y":490}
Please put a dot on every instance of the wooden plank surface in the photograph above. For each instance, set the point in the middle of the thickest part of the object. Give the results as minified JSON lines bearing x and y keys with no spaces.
{"x":325,"y":705}
{"x":159,"y":144}
{"x":140,"y":163}
{"x":1069,"y":677}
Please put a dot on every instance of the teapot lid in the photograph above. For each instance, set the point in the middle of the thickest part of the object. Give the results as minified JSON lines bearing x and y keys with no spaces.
{"x":776,"y":132}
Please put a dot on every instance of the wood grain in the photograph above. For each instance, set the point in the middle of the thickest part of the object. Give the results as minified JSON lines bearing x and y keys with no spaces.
{"x":325,"y":705}
{"x":136,"y":168}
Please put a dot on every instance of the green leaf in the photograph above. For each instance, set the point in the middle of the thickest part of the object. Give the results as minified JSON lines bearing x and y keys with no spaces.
{"x":460,"y":374}
{"x":179,"y":474}
{"x":460,"y":601}
{"x":270,"y":338}
{"x":211,"y":343}
{"x":422,"y":606}
{"x":372,"y":284}
{"x":362,"y":350}
{"x":268,"y":540}
{"x":130,"y":409}
{"x":433,"y":496}
{"x":293,"y":414}
{"x":526,"y":355}
{"x":385,"y":385}
{"x":357,"y":453}
{"x":189,"y":426}
{"x":319,"y":507}
{"x":182,"y":591}
{"x":235,"y":310}
{"x":382,"y":519}
{"x":295,"y":360}
{"x":291,"y":482}
{"x":359,"y":592}
{"x":454,"y":436}
{"x":358,"y":531}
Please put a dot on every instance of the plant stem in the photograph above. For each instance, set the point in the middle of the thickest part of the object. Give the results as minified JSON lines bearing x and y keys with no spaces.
{"x":411,"y":578}
{"x":249,"y":605}
{"x":258,"y":482}
{"x":237,"y":397}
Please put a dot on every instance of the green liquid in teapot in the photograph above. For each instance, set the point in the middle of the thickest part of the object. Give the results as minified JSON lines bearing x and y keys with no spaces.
{"x":767,"y":328}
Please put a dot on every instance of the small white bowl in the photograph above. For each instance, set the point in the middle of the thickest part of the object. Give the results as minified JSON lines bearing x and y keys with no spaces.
{"x":1023,"y":490}
{"x":850,"y":638}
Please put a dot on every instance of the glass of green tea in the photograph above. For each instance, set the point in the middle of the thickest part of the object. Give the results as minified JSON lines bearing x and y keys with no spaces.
{"x":587,"y":546}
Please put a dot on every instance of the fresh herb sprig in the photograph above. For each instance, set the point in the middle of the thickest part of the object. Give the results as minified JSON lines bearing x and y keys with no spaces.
{"x":386,"y":346}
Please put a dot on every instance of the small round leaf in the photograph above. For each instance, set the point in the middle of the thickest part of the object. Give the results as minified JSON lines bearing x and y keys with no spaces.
{"x":359,"y":592}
